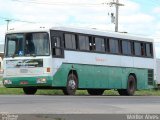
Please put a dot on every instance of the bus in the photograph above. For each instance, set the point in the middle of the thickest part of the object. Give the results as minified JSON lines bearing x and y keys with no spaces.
{"x":73,"y":59}
{"x":1,"y":66}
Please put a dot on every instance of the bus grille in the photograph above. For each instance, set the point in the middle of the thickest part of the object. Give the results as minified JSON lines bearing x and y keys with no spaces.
{"x":150,"y":77}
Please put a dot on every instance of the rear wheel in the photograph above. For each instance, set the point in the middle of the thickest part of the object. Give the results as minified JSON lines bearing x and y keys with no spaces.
{"x":131,"y":87}
{"x":95,"y":91}
{"x":72,"y":85}
{"x":29,"y":90}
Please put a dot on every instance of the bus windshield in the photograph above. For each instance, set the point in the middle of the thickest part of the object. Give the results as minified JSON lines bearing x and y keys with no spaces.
{"x":27,"y":44}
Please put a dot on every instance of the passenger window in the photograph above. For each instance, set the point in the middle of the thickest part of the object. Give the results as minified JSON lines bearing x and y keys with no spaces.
{"x":99,"y":45}
{"x":126,"y":47}
{"x":70,"y":41}
{"x":149,"y":50}
{"x":143,"y":49}
{"x":113,"y":46}
{"x":137,"y":48}
{"x":83,"y":42}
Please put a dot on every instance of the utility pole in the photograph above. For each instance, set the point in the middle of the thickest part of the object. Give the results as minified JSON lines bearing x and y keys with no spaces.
{"x":117,"y":4}
{"x":117,"y":15}
{"x":8,"y":21}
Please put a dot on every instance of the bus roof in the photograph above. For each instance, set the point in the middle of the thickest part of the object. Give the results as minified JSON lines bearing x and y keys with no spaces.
{"x":87,"y":31}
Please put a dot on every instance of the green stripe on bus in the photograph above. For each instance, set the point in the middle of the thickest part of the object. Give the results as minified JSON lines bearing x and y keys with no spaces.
{"x":89,"y":76}
{"x":92,"y":76}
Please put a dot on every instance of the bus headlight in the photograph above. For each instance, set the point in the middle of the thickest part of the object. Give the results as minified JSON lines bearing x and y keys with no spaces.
{"x":41,"y":80}
{"x":7,"y":82}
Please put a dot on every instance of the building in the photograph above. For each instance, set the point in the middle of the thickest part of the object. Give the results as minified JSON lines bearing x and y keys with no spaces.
{"x":1,"y":55}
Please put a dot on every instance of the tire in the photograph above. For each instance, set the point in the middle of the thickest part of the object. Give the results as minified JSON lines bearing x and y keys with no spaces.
{"x":131,"y":87}
{"x":72,"y":85}
{"x":29,"y":90}
{"x":95,"y":91}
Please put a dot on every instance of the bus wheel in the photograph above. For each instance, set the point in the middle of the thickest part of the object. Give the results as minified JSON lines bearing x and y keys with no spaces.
{"x":72,"y":85}
{"x":95,"y":91}
{"x":131,"y":87}
{"x":29,"y":90}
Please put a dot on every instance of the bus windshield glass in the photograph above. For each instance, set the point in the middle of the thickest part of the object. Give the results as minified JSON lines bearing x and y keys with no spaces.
{"x":27,"y":44}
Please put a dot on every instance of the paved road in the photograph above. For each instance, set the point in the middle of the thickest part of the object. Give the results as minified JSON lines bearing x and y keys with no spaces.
{"x":40,"y":104}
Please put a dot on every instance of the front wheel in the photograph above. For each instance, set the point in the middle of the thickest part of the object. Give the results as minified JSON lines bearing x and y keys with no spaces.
{"x":29,"y":90}
{"x":131,"y":87}
{"x":72,"y":85}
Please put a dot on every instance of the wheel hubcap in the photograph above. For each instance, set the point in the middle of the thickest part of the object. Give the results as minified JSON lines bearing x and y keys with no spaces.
{"x":72,"y":84}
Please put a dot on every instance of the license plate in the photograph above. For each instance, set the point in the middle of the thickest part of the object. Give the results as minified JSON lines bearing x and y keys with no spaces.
{"x":23,"y":71}
{"x":23,"y":82}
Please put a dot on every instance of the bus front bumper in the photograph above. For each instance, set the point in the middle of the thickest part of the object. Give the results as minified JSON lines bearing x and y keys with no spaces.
{"x":39,"y":81}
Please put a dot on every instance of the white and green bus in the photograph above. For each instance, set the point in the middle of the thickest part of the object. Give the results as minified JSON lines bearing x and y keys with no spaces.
{"x":78,"y":59}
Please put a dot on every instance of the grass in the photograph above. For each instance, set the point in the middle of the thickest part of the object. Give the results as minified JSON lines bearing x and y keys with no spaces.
{"x":148,"y":93}
{"x":19,"y":91}
{"x":0,"y":81}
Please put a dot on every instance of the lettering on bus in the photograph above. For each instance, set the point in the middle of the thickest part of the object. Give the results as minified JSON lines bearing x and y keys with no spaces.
{"x":100,"y":59}
{"x":24,"y":63}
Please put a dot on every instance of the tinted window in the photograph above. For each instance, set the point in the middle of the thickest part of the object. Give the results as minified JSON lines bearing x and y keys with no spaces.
{"x":37,"y":43}
{"x":11,"y":48}
{"x":99,"y":45}
{"x":143,"y":49}
{"x":15,"y":45}
{"x":56,"y":46}
{"x":27,"y":44}
{"x":137,"y":48}
{"x":113,"y":46}
{"x":70,"y":41}
{"x":107,"y":45}
{"x":126,"y":47}
{"x":149,"y":50}
{"x":83,"y":42}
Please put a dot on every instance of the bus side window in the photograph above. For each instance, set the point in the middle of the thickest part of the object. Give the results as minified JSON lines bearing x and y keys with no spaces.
{"x":126,"y":47}
{"x":99,"y":44}
{"x":143,"y":49}
{"x":84,"y":43}
{"x":137,"y":49}
{"x":56,"y":46}
{"x":149,"y":50}
{"x":70,"y":41}
{"x":113,"y":45}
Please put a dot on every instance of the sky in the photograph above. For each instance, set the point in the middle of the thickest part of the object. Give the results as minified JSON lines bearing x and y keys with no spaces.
{"x":139,"y":17}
